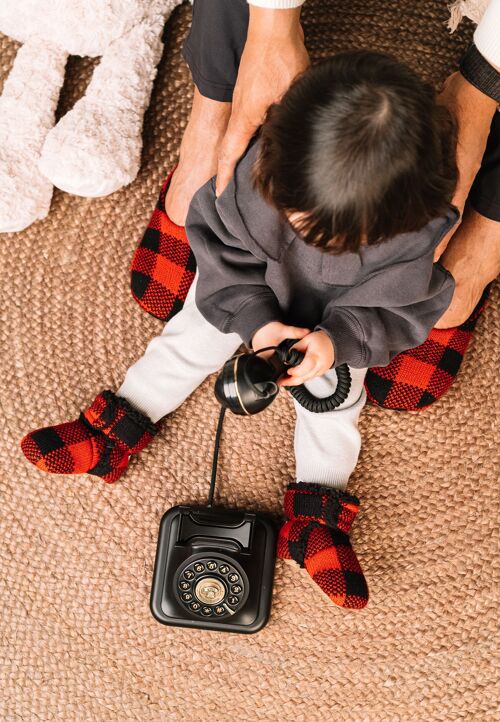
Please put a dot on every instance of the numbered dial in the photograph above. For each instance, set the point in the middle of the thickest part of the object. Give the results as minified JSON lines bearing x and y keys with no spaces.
{"x":211,"y":588}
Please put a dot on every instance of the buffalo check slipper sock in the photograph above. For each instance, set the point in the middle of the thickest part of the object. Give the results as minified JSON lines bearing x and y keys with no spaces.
{"x":416,"y":378}
{"x":99,"y":442}
{"x":163,"y":266}
{"x":315,"y":535}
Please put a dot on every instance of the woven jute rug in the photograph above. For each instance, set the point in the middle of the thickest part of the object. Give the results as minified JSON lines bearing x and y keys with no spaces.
{"x":77,"y":638}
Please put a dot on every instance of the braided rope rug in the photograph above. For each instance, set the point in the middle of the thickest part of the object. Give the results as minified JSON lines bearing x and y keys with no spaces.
{"x":77,"y":638}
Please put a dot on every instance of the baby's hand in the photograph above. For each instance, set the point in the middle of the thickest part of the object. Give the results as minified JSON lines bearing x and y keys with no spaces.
{"x":319,"y":357}
{"x":272,"y":334}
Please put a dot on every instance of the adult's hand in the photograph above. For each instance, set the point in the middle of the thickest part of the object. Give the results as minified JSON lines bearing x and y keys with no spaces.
{"x":473,"y":112}
{"x":274,"y":55}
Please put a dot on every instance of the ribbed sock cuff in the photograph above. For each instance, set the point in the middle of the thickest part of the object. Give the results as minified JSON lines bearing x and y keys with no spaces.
{"x":152,"y":408}
{"x":332,"y":479}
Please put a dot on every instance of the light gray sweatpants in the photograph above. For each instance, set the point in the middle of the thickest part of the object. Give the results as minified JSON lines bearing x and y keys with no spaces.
{"x":189,"y":349}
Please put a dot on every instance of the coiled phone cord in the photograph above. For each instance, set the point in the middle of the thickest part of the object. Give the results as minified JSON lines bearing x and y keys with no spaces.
{"x":304,"y":397}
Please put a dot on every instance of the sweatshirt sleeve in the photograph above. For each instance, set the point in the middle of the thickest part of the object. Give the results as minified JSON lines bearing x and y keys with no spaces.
{"x":365,"y":336}
{"x":487,"y":34}
{"x":231,"y":292}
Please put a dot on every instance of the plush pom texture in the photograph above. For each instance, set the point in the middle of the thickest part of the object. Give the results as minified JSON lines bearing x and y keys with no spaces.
{"x":27,"y":111}
{"x":473,"y":9}
{"x":95,"y":148}
{"x":163,"y":266}
{"x":80,"y":27}
{"x":316,"y":537}
{"x":417,"y":378}
{"x":100,"y":442}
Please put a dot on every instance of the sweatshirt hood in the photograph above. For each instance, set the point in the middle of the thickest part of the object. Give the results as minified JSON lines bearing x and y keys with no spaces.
{"x":241,"y":207}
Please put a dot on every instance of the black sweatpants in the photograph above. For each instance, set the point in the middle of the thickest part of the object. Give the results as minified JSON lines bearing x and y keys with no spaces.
{"x":214,"y":46}
{"x":213,"y":50}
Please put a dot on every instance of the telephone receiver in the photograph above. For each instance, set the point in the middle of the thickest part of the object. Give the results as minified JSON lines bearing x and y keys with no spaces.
{"x":247,"y":383}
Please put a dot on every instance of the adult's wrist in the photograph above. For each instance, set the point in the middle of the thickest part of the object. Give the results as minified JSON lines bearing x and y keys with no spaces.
{"x":273,"y":24}
{"x":473,"y":111}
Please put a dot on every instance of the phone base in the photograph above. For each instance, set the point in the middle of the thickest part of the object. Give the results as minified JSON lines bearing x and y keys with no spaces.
{"x":214,"y":569}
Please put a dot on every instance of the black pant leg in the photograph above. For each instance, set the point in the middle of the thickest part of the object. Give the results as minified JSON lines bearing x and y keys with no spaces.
{"x":485,"y":192}
{"x":214,"y":46}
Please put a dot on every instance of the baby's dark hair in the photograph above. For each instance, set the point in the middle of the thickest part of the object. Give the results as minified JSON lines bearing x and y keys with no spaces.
{"x":360,"y":148}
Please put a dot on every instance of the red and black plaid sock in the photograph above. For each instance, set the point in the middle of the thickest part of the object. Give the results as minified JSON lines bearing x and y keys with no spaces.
{"x":416,"y":378}
{"x":100,"y":442}
{"x":316,"y":537}
{"x":163,"y":266}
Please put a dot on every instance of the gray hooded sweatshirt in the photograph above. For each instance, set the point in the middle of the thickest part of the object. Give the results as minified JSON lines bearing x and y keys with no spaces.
{"x":254,"y":268}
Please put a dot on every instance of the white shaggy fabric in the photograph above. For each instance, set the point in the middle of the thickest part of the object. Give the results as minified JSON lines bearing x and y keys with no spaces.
{"x":472,"y":9}
{"x":27,"y":109}
{"x":96,"y":147}
{"x":82,"y":27}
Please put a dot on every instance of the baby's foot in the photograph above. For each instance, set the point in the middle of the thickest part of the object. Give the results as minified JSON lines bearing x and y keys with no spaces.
{"x":100,"y":442}
{"x":316,"y":537}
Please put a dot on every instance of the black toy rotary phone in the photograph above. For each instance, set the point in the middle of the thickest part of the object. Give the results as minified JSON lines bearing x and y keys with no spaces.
{"x":214,"y":567}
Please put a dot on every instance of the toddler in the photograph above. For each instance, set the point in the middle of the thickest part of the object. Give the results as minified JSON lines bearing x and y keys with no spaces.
{"x":326,"y":234}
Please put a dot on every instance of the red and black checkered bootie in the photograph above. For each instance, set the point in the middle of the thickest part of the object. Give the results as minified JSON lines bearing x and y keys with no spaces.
{"x":99,"y":442}
{"x":163,"y":266}
{"x":316,"y":537}
{"x":416,"y":378}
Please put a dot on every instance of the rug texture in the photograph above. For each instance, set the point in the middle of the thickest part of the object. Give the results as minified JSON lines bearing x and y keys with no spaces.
{"x":77,"y":639}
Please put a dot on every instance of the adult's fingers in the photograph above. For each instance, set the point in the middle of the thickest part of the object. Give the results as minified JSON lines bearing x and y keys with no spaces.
{"x":441,"y":247}
{"x":238,"y":134}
